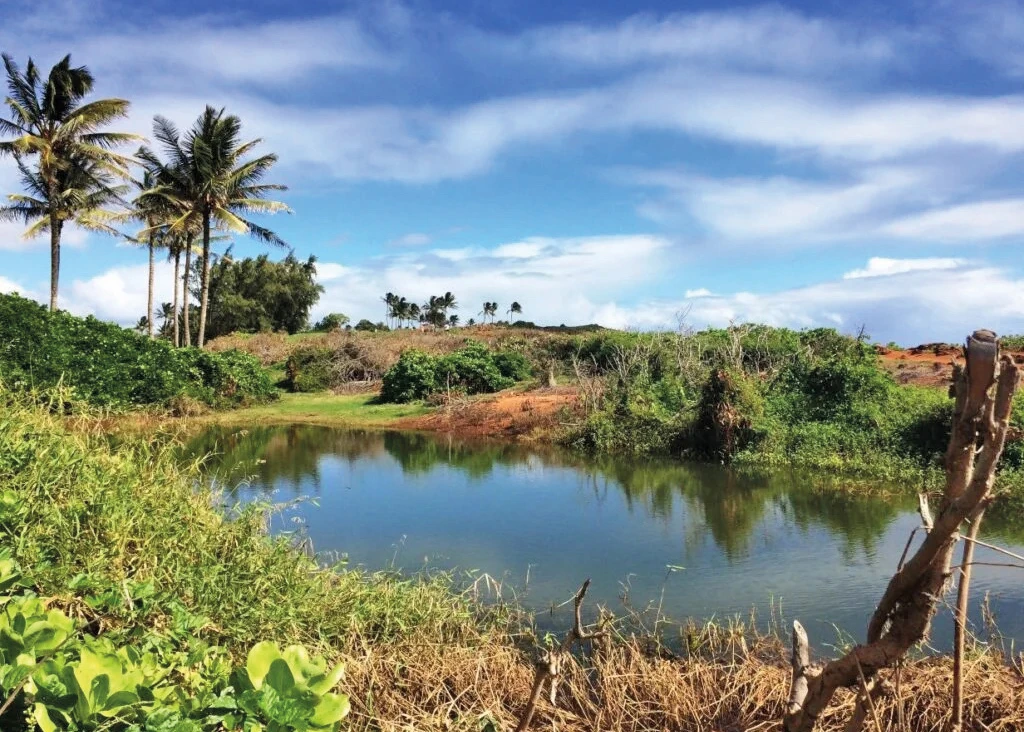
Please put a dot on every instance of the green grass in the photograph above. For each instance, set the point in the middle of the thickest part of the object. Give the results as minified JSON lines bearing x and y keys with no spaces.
{"x":357,"y":410}
{"x":86,"y":519}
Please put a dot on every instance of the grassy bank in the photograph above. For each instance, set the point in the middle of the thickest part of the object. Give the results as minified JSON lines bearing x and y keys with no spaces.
{"x":122,"y":541}
{"x":325,"y":408}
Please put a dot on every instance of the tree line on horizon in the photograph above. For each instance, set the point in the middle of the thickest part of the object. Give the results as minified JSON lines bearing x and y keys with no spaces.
{"x":199,"y":188}
{"x":399,"y":311}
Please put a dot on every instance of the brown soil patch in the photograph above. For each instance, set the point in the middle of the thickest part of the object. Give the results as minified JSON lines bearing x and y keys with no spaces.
{"x":930,"y":364}
{"x":508,"y":414}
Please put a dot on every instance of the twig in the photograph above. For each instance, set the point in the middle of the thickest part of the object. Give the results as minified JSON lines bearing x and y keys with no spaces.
{"x":549,"y":668}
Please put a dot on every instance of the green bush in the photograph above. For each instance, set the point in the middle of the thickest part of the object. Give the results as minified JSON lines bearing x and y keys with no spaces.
{"x":413,"y":377}
{"x":111,"y":366}
{"x":473,"y":369}
{"x":310,"y":368}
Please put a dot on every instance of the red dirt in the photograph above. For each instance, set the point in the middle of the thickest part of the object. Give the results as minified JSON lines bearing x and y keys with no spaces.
{"x":930,"y":364}
{"x":520,"y":415}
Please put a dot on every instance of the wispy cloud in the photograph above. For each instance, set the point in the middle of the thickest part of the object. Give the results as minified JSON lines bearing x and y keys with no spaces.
{"x":886,"y":267}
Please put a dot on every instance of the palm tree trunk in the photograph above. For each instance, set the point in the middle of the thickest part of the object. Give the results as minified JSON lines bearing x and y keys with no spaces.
{"x":177,"y":286}
{"x":54,"y":260}
{"x":185,"y":294}
{"x":149,"y":295}
{"x":205,"y":279}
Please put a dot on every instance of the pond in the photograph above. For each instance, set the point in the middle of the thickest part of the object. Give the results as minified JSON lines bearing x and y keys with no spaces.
{"x":703,"y":541}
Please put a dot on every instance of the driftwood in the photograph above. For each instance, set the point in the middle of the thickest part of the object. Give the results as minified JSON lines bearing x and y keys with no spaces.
{"x":904,"y":614}
{"x":551,"y":662}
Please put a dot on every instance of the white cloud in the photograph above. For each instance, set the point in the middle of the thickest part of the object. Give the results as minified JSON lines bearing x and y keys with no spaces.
{"x":765,"y":37}
{"x":979,"y":220}
{"x":918,"y":305}
{"x":775,"y":207}
{"x":699,"y":292}
{"x":885,"y":267}
{"x":8,"y":286}
{"x":413,"y":239}
{"x":119,"y":294}
{"x":556,"y":280}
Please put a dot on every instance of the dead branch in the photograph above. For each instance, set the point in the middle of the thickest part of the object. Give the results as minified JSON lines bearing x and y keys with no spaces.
{"x":549,"y":667}
{"x":904,"y":614}
{"x":962,"y":600}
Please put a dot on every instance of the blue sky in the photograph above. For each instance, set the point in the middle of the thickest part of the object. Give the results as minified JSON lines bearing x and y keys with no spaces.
{"x":801,"y":164}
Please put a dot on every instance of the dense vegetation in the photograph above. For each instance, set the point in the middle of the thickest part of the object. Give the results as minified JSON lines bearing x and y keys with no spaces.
{"x":755,"y":394}
{"x":255,"y":294}
{"x":473,"y":369}
{"x":182,"y":610}
{"x":113,"y":367}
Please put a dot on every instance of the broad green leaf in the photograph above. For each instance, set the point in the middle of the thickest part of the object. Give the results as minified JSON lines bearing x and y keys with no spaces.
{"x":257,"y":665}
{"x":331,"y":710}
{"x":323,"y":684}
{"x":42,"y":717}
{"x":280,"y":677}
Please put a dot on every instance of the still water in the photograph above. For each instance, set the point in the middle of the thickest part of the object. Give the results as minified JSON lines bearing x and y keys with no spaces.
{"x":703,"y":541}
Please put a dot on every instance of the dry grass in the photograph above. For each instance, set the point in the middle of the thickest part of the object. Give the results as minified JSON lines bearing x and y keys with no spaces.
{"x":380,"y":348}
{"x":626,"y":687}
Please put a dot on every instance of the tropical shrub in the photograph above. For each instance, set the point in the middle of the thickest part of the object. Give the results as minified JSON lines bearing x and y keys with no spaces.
{"x":413,"y":377}
{"x":110,"y":366}
{"x":473,"y":369}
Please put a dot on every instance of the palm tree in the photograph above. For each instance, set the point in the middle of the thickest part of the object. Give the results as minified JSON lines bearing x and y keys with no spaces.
{"x":75,"y":162}
{"x":448,"y":302}
{"x":514,"y":309}
{"x":389,"y":300}
{"x":155,"y":212}
{"x":490,"y":308}
{"x":166,"y":316}
{"x":453,"y":321}
{"x":81,"y":192}
{"x":216,"y":185}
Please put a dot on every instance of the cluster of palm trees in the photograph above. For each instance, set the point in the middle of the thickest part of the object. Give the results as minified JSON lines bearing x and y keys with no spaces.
{"x":400,"y":311}
{"x":204,"y":183}
{"x":490,"y":310}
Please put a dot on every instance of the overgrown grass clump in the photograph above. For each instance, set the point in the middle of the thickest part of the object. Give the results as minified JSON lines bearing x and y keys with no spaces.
{"x":110,"y":366}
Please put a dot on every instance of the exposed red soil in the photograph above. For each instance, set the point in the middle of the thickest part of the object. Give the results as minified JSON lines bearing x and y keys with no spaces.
{"x":519,"y":415}
{"x":930,"y":364}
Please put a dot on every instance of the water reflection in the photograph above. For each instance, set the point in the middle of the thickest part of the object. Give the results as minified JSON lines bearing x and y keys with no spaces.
{"x":744,"y":537}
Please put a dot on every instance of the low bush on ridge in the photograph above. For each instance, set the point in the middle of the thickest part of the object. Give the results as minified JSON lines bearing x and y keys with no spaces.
{"x":110,"y":366}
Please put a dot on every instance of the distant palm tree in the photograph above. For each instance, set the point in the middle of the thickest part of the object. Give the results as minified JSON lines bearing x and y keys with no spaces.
{"x":390,"y":301}
{"x":75,"y":166}
{"x":490,"y":309}
{"x":217,"y":185}
{"x":166,"y":316}
{"x":514,"y":309}
{"x":155,"y":212}
{"x":453,"y":321}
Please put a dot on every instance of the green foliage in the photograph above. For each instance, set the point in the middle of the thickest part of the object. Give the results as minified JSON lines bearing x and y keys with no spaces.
{"x":761,"y":395}
{"x":331,"y":322}
{"x":413,"y":377}
{"x":473,"y":369}
{"x":255,"y":295}
{"x":310,"y":369}
{"x":65,"y":679}
{"x":111,"y":366}
{"x":370,"y":327}
{"x":730,"y":407}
